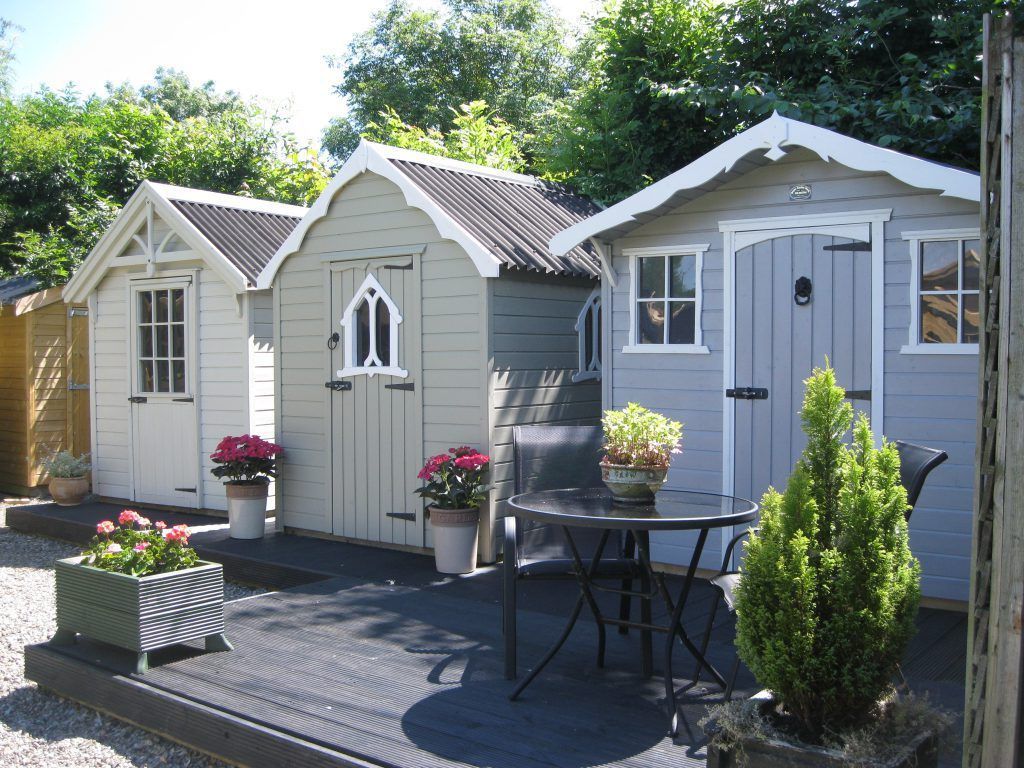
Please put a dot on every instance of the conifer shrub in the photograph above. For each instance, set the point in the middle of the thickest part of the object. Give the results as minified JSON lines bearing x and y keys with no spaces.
{"x":829,"y":591}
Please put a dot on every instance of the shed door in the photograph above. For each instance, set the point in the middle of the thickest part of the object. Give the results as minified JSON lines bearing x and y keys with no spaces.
{"x":779,"y":342}
{"x":164,"y":447}
{"x":376,"y":423}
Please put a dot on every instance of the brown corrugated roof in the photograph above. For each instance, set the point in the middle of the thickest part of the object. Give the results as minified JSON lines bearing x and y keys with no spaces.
{"x":248,"y":239}
{"x":514,"y":219}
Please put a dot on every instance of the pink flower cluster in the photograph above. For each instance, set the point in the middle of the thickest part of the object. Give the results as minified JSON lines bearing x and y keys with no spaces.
{"x":433,"y":465}
{"x":178,"y":533}
{"x":130,"y":517}
{"x":245,"y":447}
{"x":463,"y":457}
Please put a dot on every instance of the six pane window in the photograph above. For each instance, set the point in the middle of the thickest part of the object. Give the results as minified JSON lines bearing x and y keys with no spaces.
{"x":161,"y":340}
{"x":667,"y":299}
{"x":948,"y":299}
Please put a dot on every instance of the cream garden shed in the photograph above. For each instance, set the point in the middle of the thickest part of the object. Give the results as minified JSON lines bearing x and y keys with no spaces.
{"x":417,"y":308}
{"x":180,"y":339}
{"x":732,"y":277}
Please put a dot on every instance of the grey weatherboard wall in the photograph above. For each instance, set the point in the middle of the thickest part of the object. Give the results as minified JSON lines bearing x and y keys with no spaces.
{"x":928,"y":398}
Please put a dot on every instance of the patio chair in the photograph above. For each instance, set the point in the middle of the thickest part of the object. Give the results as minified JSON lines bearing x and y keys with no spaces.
{"x":548,"y":458}
{"x":916,"y":462}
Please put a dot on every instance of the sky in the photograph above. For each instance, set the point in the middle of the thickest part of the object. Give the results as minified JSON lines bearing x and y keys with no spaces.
{"x":273,"y":51}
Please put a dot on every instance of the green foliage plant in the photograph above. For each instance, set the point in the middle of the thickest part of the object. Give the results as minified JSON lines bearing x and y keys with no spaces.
{"x":65,"y":464}
{"x":638,"y":437}
{"x":137,"y":547}
{"x":829,"y":591}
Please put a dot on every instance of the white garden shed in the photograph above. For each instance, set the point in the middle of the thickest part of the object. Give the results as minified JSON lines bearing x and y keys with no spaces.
{"x":731,"y":278}
{"x":180,"y":339}
{"x":417,"y":308}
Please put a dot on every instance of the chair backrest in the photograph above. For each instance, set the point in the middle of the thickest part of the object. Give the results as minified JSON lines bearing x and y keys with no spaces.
{"x":916,"y":461}
{"x":547,"y":458}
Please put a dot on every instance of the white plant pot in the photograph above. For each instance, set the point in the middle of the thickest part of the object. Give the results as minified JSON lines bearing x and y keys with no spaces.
{"x":247,"y":510}
{"x":455,"y":539}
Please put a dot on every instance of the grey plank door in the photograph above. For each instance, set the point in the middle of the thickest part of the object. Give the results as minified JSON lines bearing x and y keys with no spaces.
{"x":778,"y":344}
{"x":376,"y":426}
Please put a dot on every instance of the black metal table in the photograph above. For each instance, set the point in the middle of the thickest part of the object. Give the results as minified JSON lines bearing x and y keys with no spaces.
{"x":671,"y":511}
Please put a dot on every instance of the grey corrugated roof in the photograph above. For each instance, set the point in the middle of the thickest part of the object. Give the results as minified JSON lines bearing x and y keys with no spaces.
{"x":515,"y":220}
{"x":13,"y":288}
{"x":247,"y":238}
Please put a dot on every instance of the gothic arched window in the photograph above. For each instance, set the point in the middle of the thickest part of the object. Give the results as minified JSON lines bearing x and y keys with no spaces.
{"x":371,"y":322}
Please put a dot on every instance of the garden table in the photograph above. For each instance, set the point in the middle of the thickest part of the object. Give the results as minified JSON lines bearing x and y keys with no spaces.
{"x":670,"y":511}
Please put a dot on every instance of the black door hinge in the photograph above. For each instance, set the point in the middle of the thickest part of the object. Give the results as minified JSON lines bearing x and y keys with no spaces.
{"x":748,"y":393}
{"x":410,"y":516}
{"x":136,"y":399}
{"x":183,"y":400}
{"x":186,"y":490}
{"x":858,"y":394}
{"x":405,"y":387}
{"x":398,"y":266}
{"x":339,"y":386}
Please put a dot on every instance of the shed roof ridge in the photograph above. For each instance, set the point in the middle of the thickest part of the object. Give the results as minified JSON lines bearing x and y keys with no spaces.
{"x":171,"y":192}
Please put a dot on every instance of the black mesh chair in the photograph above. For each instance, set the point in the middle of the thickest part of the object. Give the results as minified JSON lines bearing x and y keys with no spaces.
{"x":916,"y":462}
{"x":546,"y":459}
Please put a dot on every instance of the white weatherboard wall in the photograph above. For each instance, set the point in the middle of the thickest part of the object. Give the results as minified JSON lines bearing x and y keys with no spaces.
{"x":929,"y":399}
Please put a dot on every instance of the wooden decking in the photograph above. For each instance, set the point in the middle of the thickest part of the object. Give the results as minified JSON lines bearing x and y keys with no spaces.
{"x":393,"y":665}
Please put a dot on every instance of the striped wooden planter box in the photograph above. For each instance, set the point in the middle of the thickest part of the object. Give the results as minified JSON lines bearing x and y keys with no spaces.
{"x":140,"y":614}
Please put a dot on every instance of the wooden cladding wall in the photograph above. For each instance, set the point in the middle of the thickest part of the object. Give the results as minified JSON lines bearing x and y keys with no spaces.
{"x":43,"y":353}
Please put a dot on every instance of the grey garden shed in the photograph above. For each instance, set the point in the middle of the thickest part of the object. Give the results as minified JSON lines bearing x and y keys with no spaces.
{"x":728,"y":280}
{"x":417,"y":308}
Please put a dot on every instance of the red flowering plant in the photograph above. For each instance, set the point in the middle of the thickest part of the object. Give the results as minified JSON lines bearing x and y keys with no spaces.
{"x":137,"y":547}
{"x":248,"y":459}
{"x":455,"y":480}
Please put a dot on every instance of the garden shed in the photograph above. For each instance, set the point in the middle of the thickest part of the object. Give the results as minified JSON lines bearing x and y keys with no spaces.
{"x":181,"y":342}
{"x":733,"y":277}
{"x":44,"y":381}
{"x":421,"y":292}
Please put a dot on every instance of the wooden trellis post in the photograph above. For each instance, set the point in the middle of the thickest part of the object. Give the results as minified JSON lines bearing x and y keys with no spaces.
{"x":993,"y":731}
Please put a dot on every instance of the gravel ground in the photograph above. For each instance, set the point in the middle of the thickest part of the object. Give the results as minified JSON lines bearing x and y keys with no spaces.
{"x":38,"y":729}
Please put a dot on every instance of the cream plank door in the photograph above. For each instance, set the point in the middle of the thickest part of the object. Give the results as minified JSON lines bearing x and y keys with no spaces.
{"x":165,"y":451}
{"x":781,"y":337}
{"x":376,"y":423}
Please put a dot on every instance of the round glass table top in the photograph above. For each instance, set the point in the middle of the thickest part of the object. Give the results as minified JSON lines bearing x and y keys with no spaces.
{"x":671,"y":510}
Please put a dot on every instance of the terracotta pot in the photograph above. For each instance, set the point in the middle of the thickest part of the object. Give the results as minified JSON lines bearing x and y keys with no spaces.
{"x":633,"y":485}
{"x":69,"y":491}
{"x":247,"y":508}
{"x":455,"y":538}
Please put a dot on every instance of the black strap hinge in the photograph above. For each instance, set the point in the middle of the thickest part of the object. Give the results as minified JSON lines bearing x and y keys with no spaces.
{"x":858,"y":394}
{"x":405,"y":387}
{"x":411,"y":516}
{"x":186,"y":490}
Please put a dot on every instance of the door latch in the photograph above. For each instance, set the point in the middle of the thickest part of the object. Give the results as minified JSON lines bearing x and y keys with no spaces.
{"x":339,"y":386}
{"x":137,"y":399}
{"x":748,"y":393}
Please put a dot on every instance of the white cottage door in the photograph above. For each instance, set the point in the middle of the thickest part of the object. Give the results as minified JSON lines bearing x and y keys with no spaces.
{"x":376,"y":423}
{"x":798,"y":299}
{"x":165,"y":460}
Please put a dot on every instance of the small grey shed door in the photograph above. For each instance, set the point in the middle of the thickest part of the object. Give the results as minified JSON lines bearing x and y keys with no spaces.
{"x":375,"y":411}
{"x":780,"y":338}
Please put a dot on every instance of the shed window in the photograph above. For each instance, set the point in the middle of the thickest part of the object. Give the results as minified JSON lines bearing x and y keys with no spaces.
{"x":371,"y":323}
{"x":666,"y":299}
{"x":945,"y":286}
{"x":588,"y":331}
{"x":160,"y":325}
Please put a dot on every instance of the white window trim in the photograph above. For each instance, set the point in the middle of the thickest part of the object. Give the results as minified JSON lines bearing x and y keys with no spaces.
{"x":914,"y":238}
{"x":584,"y":372}
{"x":352,"y":368}
{"x":188,"y":282}
{"x":635,"y":254}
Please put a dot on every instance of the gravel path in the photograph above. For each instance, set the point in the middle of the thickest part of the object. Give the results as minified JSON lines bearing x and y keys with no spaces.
{"x":38,"y":729}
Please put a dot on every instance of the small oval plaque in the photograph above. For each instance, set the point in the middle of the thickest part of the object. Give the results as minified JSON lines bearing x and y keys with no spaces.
{"x":800,"y":192}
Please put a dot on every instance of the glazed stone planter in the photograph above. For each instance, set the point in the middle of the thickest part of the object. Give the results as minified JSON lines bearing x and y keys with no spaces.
{"x":247,"y":508}
{"x":633,"y":485}
{"x":69,"y":491}
{"x":922,"y":752}
{"x":140,"y":614}
{"x":455,"y":539}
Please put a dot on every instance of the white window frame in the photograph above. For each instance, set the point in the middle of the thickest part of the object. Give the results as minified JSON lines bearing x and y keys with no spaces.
{"x":635,"y":254}
{"x":187,"y":282}
{"x":914,"y":344}
{"x":589,"y":369}
{"x":354,"y":367}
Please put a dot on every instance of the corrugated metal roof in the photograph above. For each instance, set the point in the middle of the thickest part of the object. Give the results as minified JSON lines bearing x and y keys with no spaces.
{"x":13,"y":288}
{"x":515,"y":220}
{"x":247,"y":238}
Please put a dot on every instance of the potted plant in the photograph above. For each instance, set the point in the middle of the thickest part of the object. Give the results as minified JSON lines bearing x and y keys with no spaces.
{"x":825,"y":607}
{"x":69,"y":482}
{"x":140,"y":586}
{"x":454,"y":482}
{"x":638,"y":447}
{"x":248,"y":462}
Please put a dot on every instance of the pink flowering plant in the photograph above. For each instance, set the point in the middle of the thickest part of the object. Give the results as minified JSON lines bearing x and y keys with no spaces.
{"x":137,"y":547}
{"x":455,"y":480}
{"x":247,"y":459}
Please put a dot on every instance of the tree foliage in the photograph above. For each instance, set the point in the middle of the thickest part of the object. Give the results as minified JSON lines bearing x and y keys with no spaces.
{"x":425,"y":64}
{"x":67,"y":164}
{"x":670,"y":79}
{"x":826,"y":603}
